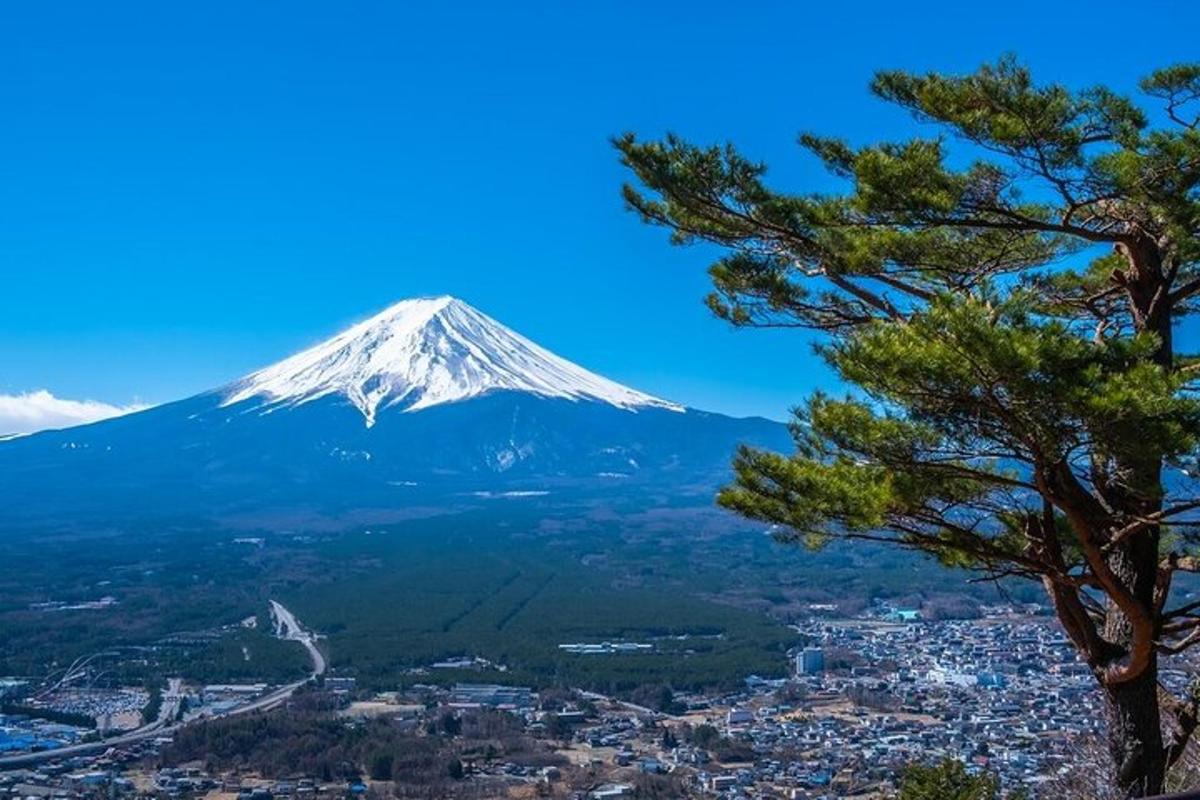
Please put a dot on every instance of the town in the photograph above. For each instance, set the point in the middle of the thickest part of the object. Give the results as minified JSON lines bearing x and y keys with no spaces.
{"x":867,"y":696}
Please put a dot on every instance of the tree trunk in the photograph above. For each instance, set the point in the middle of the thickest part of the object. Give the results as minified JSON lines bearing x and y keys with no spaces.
{"x":1135,"y":740}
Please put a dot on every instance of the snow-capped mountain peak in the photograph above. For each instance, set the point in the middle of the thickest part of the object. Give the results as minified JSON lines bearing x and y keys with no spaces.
{"x":424,"y":352}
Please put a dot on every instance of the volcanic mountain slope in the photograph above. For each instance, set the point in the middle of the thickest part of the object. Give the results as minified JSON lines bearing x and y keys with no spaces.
{"x":426,"y":352}
{"x":426,"y":402}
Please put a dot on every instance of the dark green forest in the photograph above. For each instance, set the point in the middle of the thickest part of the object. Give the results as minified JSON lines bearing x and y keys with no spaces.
{"x":710,"y":593}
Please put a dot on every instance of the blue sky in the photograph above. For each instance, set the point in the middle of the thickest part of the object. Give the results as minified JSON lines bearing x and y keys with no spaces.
{"x":190,"y":191}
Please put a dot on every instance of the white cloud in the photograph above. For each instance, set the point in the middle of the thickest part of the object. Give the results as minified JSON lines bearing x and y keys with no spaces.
{"x":41,"y":410}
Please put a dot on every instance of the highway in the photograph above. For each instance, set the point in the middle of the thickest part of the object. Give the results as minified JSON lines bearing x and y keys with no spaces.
{"x":287,"y":627}
{"x":650,"y":712}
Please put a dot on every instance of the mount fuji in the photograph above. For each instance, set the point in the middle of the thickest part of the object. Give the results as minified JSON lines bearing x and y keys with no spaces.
{"x":426,"y":352}
{"x":428,"y":404}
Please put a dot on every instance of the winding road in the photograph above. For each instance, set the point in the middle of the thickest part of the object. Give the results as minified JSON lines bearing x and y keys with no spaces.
{"x":286,"y":627}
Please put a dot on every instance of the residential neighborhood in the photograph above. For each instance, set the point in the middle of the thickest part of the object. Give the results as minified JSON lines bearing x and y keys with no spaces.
{"x":867,"y":696}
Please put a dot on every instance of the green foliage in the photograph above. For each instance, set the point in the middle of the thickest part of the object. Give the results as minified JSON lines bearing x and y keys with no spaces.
{"x":422,"y":602}
{"x":669,"y":742}
{"x":240,"y":656}
{"x":154,"y":685}
{"x":988,"y":338}
{"x":948,"y":780}
{"x":381,"y":766}
{"x":704,"y":735}
{"x":1004,"y":300}
{"x":450,"y":725}
{"x":557,"y":728}
{"x":392,"y":602}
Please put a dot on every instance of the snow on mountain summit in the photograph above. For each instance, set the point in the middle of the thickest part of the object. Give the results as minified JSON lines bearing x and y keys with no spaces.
{"x":424,"y":352}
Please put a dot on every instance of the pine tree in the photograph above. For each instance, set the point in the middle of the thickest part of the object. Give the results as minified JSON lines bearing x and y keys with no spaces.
{"x":948,"y":780}
{"x":1008,"y":328}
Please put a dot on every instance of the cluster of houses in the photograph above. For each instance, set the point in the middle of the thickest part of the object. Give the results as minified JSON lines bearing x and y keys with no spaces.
{"x":868,"y":696}
{"x":103,"y":779}
{"x":1005,"y":693}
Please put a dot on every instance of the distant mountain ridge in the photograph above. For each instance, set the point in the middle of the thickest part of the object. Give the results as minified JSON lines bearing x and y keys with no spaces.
{"x":426,"y":403}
